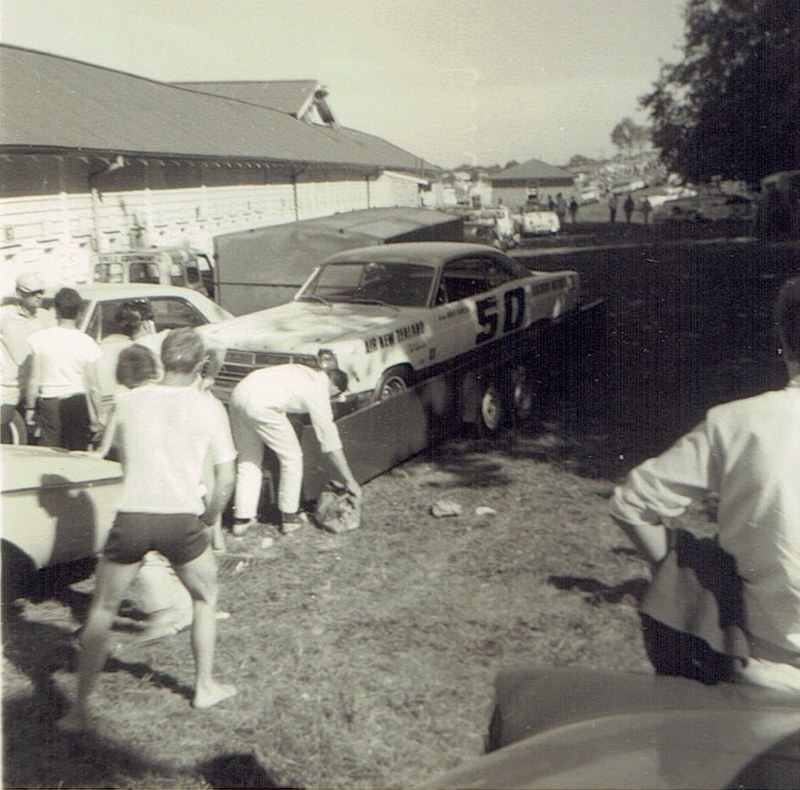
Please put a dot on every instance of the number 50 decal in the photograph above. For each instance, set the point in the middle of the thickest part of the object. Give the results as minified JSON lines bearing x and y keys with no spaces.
{"x":513,"y":309}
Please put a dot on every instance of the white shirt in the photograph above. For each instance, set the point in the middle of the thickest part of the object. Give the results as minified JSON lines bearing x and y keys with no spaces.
{"x":16,"y":326}
{"x":748,"y":452}
{"x":292,"y":389}
{"x":66,"y":354}
{"x":165,"y":435}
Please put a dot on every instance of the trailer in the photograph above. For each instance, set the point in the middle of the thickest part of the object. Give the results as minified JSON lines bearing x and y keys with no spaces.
{"x":264,"y":267}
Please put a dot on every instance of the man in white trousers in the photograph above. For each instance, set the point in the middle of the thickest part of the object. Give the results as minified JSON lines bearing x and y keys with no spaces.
{"x":258,"y":410}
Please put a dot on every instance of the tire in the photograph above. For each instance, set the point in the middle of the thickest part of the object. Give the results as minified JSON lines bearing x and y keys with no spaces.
{"x":393,"y":382}
{"x":17,"y":430}
{"x":491,"y":409}
{"x":520,"y":394}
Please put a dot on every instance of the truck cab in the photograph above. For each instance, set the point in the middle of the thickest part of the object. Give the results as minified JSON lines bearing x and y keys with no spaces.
{"x":178,"y":266}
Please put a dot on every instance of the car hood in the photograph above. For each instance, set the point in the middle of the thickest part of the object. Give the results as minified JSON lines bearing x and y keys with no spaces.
{"x":297,"y":325}
{"x":32,"y":468}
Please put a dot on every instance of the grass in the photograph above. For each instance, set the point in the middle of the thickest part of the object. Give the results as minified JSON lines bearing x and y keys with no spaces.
{"x":366,"y":659}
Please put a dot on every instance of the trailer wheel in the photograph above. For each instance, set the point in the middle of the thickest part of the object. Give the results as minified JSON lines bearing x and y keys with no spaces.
{"x":17,"y":429}
{"x":491,"y":410}
{"x":392,"y":383}
{"x":521,"y":393}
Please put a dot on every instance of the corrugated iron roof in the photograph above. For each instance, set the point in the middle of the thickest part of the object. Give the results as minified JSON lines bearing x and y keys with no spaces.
{"x":532,"y":169}
{"x":48,"y":103}
{"x":289,"y":96}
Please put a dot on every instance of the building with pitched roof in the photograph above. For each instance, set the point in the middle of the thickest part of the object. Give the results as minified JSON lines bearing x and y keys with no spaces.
{"x":531,"y":181}
{"x":94,"y":159}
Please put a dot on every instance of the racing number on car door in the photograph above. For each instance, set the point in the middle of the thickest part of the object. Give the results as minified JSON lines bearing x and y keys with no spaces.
{"x":513,"y":314}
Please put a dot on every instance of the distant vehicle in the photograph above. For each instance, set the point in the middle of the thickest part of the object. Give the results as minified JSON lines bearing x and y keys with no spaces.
{"x":539,"y":222}
{"x":591,"y":195}
{"x":57,"y":506}
{"x":583,"y":728}
{"x":491,"y":225}
{"x":158,"y":266}
{"x":393,"y":314}
{"x":705,"y":207}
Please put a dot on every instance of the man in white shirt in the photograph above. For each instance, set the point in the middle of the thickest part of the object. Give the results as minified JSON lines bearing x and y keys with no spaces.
{"x":166,"y":430}
{"x":746,"y":452}
{"x":63,"y":379}
{"x":18,"y":322}
{"x":258,"y":408}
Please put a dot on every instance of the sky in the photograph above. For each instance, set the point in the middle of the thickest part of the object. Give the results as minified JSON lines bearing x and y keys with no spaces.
{"x":454,"y":81}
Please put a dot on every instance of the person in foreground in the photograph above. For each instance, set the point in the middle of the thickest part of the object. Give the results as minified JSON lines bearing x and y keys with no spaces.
{"x":164,"y":430}
{"x":259,"y":405}
{"x":747,"y":453}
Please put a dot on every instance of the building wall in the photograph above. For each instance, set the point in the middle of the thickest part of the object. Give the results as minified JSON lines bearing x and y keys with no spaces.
{"x":517,"y":195}
{"x":50,"y":217}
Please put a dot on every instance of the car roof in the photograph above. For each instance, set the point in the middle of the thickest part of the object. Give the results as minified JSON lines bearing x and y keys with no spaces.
{"x":432,"y":253}
{"x":99,"y":291}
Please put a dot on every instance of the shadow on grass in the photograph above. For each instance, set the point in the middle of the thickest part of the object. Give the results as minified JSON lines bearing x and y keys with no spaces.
{"x":599,"y":592}
{"x":239,"y":770}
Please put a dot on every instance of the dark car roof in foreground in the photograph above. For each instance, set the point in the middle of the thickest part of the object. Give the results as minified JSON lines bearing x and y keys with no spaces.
{"x":433,"y":253}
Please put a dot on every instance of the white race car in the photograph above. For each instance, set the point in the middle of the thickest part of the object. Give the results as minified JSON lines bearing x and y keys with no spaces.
{"x":396,"y":313}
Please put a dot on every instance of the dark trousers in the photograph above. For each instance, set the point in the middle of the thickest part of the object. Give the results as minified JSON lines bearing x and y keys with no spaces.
{"x":65,"y":422}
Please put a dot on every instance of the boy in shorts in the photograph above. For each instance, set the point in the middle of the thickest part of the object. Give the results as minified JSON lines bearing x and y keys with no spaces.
{"x":165,"y":431}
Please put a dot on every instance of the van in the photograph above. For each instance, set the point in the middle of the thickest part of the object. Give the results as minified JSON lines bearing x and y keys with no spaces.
{"x":178,"y":266}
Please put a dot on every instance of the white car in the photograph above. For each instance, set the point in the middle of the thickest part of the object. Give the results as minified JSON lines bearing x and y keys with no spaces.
{"x":539,"y":223}
{"x":396,"y":313}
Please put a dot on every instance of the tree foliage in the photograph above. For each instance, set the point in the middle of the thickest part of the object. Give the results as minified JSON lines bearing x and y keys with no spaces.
{"x":732,"y":106}
{"x":629,"y":137}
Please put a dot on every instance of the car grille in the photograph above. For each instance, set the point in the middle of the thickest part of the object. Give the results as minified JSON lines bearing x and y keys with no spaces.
{"x":238,"y":364}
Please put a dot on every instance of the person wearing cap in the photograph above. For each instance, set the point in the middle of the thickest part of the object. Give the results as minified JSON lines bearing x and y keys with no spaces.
{"x":17,"y":322}
{"x":62,"y":386}
{"x":258,"y":408}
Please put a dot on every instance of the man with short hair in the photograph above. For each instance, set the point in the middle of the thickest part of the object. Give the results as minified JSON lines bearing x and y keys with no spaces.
{"x":62,"y":387}
{"x":166,"y":430}
{"x":18,"y":321}
{"x":746,"y":452}
{"x":259,"y":405}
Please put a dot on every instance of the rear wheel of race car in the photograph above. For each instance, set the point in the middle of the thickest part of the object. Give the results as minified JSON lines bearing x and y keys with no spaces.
{"x":17,"y":430}
{"x":392,"y":383}
{"x":520,"y":393}
{"x":491,"y":409}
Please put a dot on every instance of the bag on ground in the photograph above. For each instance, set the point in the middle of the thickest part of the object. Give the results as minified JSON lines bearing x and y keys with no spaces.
{"x":338,"y":510}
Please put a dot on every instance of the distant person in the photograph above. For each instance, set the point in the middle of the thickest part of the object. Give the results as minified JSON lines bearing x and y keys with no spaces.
{"x":551,"y":204}
{"x":646,"y":208}
{"x":561,"y":208}
{"x":166,"y":430}
{"x":747,"y":454}
{"x":258,"y":408}
{"x":18,"y":321}
{"x":613,"y":202}
{"x":62,"y":389}
{"x":628,"y":207}
{"x":573,"y":210}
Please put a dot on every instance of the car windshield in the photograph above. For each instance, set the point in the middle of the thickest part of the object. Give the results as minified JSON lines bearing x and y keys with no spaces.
{"x":397,"y":284}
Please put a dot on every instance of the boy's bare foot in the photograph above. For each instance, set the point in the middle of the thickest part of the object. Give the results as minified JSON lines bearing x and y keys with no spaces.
{"x":212,"y":693}
{"x":75,"y":721}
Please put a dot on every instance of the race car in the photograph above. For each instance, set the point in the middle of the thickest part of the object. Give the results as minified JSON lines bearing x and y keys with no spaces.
{"x":539,"y":222}
{"x":393,"y":314}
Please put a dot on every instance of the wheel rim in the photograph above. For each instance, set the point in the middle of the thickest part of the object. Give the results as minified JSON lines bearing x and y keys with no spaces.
{"x":392,"y":387}
{"x":491,"y":409}
{"x":521,"y":393}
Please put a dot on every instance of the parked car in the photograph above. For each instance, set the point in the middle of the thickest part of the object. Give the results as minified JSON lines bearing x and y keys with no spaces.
{"x":395,"y":313}
{"x":539,"y":222}
{"x":492,"y":225}
{"x":705,"y":208}
{"x":57,"y":506}
{"x":583,"y":728}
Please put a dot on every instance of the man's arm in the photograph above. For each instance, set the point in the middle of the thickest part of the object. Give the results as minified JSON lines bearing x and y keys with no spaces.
{"x":32,"y":386}
{"x":339,"y":462}
{"x":224,"y":479}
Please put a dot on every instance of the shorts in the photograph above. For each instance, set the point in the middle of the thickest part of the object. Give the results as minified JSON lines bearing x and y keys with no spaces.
{"x":180,"y":537}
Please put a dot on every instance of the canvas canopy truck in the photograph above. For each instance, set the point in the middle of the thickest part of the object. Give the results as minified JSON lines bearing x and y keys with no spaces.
{"x":159,"y":266}
{"x":264,"y":267}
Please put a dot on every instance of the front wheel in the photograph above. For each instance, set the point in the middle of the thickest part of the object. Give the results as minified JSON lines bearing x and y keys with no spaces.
{"x":16,"y":432}
{"x":393,"y":382}
{"x":491,"y":410}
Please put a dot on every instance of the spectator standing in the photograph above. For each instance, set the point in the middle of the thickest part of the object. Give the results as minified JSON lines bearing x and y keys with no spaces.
{"x":18,"y":322}
{"x":166,"y":430}
{"x":561,"y":208}
{"x":573,"y":210}
{"x":258,"y":408}
{"x":62,"y":388}
{"x":551,"y":204}
{"x":628,"y":207}
{"x":746,"y":452}
{"x":646,"y":208}
{"x":613,"y":202}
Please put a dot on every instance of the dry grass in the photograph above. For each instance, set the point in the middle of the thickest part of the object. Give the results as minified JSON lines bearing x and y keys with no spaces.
{"x":366,"y":659}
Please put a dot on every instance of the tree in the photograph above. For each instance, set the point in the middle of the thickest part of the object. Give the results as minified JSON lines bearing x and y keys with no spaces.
{"x":579,"y":160}
{"x":629,"y":137}
{"x":732,"y":106}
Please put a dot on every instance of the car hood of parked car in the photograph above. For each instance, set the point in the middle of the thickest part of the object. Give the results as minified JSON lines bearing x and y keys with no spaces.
{"x":296,"y":325}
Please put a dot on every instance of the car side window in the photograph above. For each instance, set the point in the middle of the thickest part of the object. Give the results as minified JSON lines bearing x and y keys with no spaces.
{"x":498,"y":273}
{"x":172,"y":313}
{"x":139,"y":272}
{"x":463,"y":278}
{"x":101,"y":322}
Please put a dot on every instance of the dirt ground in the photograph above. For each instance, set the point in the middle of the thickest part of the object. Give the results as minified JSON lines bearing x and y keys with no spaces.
{"x":367,"y":659}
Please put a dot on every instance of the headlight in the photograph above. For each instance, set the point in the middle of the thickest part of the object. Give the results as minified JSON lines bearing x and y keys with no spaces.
{"x":327,"y":359}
